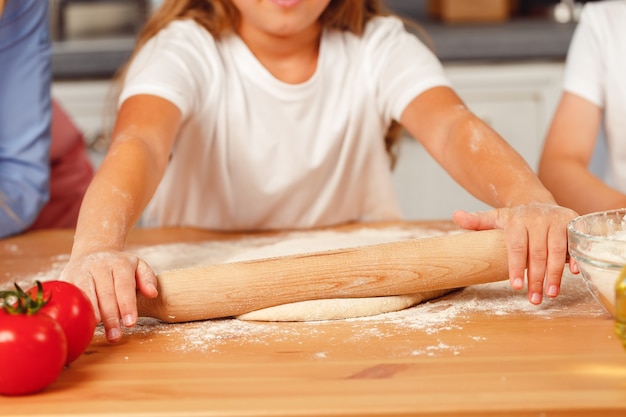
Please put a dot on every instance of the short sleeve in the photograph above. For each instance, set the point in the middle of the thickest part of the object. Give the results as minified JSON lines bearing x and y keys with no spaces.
{"x":404,"y":67}
{"x":585,"y":63}
{"x":168,"y":66}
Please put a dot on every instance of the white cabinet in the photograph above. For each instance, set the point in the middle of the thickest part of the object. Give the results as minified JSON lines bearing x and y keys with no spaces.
{"x":516,"y":99}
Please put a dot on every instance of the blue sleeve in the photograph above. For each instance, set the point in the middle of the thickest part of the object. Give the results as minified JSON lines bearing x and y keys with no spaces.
{"x":25,"y":113}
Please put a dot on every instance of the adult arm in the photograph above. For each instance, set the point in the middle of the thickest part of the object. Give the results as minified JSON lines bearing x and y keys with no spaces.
{"x":484,"y":164}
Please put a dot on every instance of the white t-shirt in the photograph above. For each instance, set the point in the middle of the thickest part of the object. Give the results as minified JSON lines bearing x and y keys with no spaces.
{"x":257,"y":153}
{"x":596,"y":71}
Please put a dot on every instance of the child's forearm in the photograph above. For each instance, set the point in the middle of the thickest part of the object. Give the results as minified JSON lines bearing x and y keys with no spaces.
{"x":117,"y":196}
{"x":471,"y":151}
{"x":490,"y":168}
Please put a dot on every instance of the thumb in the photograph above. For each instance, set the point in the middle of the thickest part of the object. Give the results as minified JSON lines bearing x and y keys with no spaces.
{"x":482,"y":220}
{"x":146,"y":280}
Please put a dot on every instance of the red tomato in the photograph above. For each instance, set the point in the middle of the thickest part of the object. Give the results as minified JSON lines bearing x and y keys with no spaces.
{"x":32,"y":352}
{"x":70,"y":307}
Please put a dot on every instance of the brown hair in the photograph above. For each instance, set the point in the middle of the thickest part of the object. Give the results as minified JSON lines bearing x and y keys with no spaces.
{"x":220,"y":17}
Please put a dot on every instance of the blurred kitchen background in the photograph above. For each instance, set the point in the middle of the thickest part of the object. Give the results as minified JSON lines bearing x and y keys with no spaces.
{"x":504,"y":57}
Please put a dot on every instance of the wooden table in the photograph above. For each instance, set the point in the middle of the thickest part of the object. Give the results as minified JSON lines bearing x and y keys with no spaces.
{"x":487,"y":358}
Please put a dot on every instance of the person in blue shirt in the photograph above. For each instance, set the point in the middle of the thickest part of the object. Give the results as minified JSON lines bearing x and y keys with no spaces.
{"x":25,"y":113}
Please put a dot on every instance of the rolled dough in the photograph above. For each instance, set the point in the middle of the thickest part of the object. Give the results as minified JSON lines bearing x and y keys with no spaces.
{"x":338,"y":308}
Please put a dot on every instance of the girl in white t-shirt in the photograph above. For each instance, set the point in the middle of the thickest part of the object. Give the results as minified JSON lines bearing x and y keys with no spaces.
{"x":594,"y":95}
{"x":271,"y":114}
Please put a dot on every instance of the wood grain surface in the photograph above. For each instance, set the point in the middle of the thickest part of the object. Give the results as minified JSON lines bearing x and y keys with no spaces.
{"x":496,"y":356}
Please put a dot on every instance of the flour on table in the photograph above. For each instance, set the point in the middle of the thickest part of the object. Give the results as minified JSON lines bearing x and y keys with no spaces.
{"x":187,"y":255}
{"x":435,"y":319}
{"x":448,"y":314}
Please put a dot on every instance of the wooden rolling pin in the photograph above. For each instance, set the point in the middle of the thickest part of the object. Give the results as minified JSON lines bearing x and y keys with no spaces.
{"x":404,"y":267}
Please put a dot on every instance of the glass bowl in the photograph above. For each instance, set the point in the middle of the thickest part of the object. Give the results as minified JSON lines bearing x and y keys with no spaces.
{"x":597,"y":242}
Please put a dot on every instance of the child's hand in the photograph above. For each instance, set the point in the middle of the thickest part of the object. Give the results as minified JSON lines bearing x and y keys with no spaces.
{"x":536,"y":236}
{"x":110,"y":280}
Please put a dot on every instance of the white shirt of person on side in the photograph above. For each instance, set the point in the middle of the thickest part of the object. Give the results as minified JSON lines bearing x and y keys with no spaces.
{"x":596,"y":71}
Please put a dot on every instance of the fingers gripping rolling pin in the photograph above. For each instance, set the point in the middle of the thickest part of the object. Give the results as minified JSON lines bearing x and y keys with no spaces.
{"x":396,"y":268}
